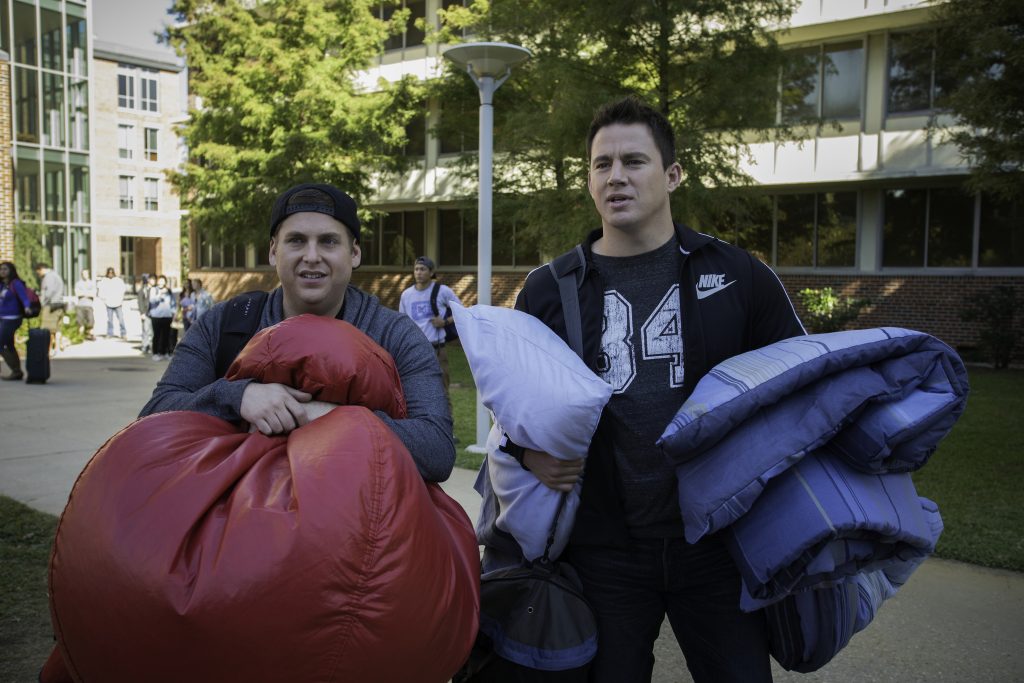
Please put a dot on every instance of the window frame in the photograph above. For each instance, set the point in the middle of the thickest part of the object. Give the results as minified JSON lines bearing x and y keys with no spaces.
{"x":126,"y":135}
{"x":126,"y":191}
{"x":150,"y":202}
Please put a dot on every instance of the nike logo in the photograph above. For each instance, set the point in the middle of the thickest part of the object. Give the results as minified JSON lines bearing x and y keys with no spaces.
{"x":711,"y":284}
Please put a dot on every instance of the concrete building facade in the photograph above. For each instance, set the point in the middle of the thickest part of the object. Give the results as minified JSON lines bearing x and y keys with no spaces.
{"x":871,"y":202}
{"x":138,"y":105}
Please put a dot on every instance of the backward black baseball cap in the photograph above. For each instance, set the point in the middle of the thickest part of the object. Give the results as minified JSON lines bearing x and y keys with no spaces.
{"x":316,"y":198}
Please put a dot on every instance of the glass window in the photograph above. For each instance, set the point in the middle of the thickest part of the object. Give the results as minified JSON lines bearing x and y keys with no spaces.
{"x":394,"y":239}
{"x":79,"y":235}
{"x":76,"y":39}
{"x":25,"y":34}
{"x":26,"y":104}
{"x":54,"y":191}
{"x":54,"y":123}
{"x":464,"y":138}
{"x":799,"y":96}
{"x":1001,"y":238}
{"x":950,"y":228}
{"x":27,"y":174}
{"x":450,"y":229}
{"x":416,"y":136}
{"x":795,"y":230}
{"x":836,"y":229}
{"x":125,"y":141}
{"x":387,"y":10}
{"x":903,"y":232}
{"x":148,"y":90}
{"x":151,"y":138}
{"x":910,"y":74}
{"x":822,"y":82}
{"x":125,"y":91}
{"x":151,"y":194}
{"x":417,"y":11}
{"x":126,"y":191}
{"x":78,"y":108}
{"x":51,"y":35}
{"x":5,"y":27}
{"x":80,"y":194}
{"x":842,"y":77}
{"x":502,"y":243}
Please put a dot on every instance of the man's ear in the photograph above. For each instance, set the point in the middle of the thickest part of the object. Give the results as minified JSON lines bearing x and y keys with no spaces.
{"x":273,"y":245}
{"x":673,"y":176}
{"x":357,"y":255}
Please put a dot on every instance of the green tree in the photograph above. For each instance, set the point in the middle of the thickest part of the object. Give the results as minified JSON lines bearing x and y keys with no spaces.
{"x":29,"y":249}
{"x":711,"y":66}
{"x":981,"y":54}
{"x":280,"y":104}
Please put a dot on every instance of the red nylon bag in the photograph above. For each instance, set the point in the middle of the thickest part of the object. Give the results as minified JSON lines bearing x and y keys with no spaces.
{"x":192,"y":551}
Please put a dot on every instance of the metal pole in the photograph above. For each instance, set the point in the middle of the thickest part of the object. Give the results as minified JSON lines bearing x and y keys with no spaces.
{"x":487,"y":86}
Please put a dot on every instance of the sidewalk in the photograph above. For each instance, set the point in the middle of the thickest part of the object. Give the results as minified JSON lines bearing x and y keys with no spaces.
{"x":952,"y":622}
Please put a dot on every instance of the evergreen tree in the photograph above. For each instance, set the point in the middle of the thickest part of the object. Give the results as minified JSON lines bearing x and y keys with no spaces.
{"x":278,"y":102}
{"x":711,"y":66}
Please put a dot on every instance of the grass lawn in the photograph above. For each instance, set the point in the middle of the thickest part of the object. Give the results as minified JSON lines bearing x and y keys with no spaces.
{"x":25,"y":632}
{"x":975,"y":477}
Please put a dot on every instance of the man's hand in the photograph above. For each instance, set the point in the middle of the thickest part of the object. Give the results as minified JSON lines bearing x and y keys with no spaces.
{"x":437,"y":321}
{"x":274,"y":408}
{"x":559,"y":475}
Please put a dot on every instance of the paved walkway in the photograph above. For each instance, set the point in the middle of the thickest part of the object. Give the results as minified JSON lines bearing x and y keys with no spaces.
{"x":952,"y":622}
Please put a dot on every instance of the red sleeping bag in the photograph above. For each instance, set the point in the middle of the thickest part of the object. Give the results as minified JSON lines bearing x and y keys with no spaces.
{"x":191,"y":551}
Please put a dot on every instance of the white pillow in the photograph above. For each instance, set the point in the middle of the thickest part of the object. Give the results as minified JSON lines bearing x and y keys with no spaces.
{"x":545,"y":398}
{"x":541,"y":392}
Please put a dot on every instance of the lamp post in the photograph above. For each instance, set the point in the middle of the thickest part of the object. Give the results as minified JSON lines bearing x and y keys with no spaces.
{"x":489,"y":65}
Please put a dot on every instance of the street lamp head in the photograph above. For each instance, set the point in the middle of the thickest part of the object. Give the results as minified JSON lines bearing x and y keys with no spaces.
{"x":486,"y":60}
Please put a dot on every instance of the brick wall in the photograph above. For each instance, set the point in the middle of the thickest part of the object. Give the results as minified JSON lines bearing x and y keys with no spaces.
{"x":927,"y":303}
{"x":6,"y":163}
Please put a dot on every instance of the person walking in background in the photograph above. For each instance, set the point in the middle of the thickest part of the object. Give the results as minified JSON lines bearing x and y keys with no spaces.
{"x":430,"y":312}
{"x":14,"y":306}
{"x":161,"y":312}
{"x":85,"y":293}
{"x":51,"y":298}
{"x":146,"y":282}
{"x":186,"y":303}
{"x":203,"y":300}
{"x":111,"y":292}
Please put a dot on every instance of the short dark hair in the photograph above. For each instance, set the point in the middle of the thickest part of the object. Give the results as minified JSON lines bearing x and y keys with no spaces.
{"x":632,"y":109}
{"x":41,"y":264}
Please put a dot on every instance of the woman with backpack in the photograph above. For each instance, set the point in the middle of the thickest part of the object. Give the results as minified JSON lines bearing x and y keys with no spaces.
{"x":161,"y":311}
{"x":14,"y":306}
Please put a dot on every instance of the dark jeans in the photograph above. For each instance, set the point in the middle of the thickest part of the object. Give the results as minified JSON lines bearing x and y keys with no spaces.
{"x":697,"y":586}
{"x":161,"y":336}
{"x":7,"y":329}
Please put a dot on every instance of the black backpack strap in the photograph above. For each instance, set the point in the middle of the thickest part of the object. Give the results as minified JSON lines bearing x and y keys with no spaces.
{"x":568,"y":271}
{"x":241,"y":320}
{"x":433,"y":298}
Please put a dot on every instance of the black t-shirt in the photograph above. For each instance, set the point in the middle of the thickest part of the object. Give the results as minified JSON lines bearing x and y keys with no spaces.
{"x":642,"y":358}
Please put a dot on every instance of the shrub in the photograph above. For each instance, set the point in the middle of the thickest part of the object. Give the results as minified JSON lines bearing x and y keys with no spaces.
{"x":827,"y":312}
{"x":995,"y":309}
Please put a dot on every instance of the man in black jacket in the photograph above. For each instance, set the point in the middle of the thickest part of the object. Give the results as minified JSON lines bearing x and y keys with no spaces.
{"x":660,"y":306}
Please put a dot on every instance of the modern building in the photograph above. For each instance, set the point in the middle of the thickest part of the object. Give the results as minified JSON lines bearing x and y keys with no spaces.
{"x":92,"y":135}
{"x":138,"y":103}
{"x":870,"y":203}
{"x":47,"y":110}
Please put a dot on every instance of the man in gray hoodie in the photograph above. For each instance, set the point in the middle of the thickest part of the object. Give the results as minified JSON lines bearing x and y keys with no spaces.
{"x":314,"y":245}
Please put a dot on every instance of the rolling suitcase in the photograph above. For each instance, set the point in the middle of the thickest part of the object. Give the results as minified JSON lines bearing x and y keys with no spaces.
{"x":37,"y":356}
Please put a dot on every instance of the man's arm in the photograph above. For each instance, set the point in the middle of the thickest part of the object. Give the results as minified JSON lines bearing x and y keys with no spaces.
{"x":427,"y":429}
{"x":190,"y":381}
{"x":774,"y":317}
